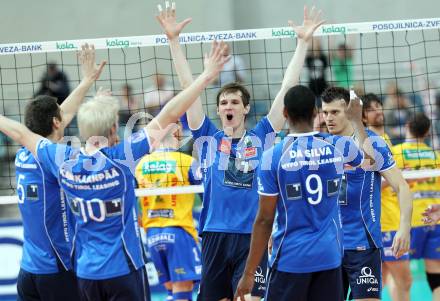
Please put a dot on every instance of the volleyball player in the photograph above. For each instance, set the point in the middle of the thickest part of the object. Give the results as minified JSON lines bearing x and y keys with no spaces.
{"x":395,"y":271}
{"x":360,"y":204}
{"x":98,"y":182}
{"x":172,"y":238}
{"x":229,"y":162}
{"x":413,"y":153}
{"x":299,"y":180}
{"x":46,"y":269}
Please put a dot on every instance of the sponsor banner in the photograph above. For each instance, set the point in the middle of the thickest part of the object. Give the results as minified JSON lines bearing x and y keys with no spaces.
{"x":231,"y":35}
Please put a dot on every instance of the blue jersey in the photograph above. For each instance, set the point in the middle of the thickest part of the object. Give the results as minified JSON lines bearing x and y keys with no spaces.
{"x":360,"y":199}
{"x":47,"y":234}
{"x":100,"y":192}
{"x":230,"y":200}
{"x":305,"y":172}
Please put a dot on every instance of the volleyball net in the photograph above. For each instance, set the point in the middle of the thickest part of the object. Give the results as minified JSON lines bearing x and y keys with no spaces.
{"x":399,"y":61}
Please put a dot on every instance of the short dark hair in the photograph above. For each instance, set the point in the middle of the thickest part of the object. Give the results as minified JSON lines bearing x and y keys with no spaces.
{"x":333,"y":93}
{"x":39,"y":114}
{"x":368,"y":100}
{"x":419,"y":125}
{"x":232,"y":88}
{"x":299,"y":102}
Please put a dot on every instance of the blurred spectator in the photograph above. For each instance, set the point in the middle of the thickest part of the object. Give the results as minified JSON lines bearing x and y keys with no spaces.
{"x":54,"y":83}
{"x":233,"y":71}
{"x":397,"y":111}
{"x":129,"y":106}
{"x":342,"y":66}
{"x":317,"y":64}
{"x":157,"y":95}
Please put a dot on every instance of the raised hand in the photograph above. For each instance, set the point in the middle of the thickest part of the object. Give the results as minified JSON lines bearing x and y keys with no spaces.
{"x":87,"y":60}
{"x":167,"y":20}
{"x":311,"y":22}
{"x":354,"y":110}
{"x":216,"y":59}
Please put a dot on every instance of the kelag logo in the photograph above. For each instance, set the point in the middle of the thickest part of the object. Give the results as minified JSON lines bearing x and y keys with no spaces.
{"x":281,"y":32}
{"x":65,"y":45}
{"x":334,"y":29}
{"x":159,"y":167}
{"x":117,"y":43}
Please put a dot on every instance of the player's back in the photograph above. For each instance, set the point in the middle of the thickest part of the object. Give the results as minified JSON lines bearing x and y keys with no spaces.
{"x":309,"y":171}
{"x":167,"y":168}
{"x":47,"y":238}
{"x":100,"y":192}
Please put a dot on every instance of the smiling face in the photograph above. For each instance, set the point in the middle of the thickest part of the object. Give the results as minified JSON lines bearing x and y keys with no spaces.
{"x":231,"y":109}
{"x":334,"y":116}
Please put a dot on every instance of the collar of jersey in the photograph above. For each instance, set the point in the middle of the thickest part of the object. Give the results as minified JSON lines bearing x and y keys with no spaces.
{"x":303,"y":134}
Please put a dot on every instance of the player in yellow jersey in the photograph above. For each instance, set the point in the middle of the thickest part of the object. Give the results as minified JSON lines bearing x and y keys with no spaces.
{"x":425,"y":240}
{"x":396,"y":272}
{"x":171,"y":234}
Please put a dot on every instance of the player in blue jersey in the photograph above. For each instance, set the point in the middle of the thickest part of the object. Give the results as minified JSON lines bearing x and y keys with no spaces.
{"x":228,"y":158}
{"x":360,"y":201}
{"x":298,"y":183}
{"x":98,"y":181}
{"x":46,"y":269}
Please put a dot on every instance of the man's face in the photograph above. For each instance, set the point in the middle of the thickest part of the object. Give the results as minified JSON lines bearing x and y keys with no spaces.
{"x":334,"y":116}
{"x":374,"y":114}
{"x":231,"y":110}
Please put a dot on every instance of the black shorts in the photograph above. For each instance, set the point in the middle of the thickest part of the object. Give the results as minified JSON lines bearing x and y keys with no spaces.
{"x":131,"y":287}
{"x":362,"y":272}
{"x":47,"y":287}
{"x":316,"y":286}
{"x":223,"y":261}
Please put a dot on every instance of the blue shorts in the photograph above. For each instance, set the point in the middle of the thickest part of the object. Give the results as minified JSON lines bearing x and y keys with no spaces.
{"x":316,"y":286}
{"x":51,"y":287}
{"x":387,"y":253}
{"x":175,"y":254}
{"x":131,"y":287}
{"x":425,"y":242}
{"x":223,"y":259}
{"x":362,"y":272}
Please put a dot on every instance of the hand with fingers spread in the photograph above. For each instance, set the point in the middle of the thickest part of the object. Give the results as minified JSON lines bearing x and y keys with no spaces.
{"x":311,"y":22}
{"x":87,"y":58}
{"x":216,"y":59}
{"x":431,"y":214}
{"x":167,"y":20}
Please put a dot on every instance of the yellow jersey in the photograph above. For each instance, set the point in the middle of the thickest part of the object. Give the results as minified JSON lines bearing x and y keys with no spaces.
{"x":425,"y":191}
{"x":165,"y":168}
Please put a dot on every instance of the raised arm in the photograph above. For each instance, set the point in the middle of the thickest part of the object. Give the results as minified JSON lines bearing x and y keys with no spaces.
{"x":402,"y":238}
{"x":291,"y":77}
{"x":19,"y":133}
{"x":90,"y":73}
{"x":180,"y":103}
{"x":172,"y":29}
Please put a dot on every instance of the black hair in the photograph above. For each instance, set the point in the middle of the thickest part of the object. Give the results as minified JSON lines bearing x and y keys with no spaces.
{"x":368,"y":100}
{"x":40,"y":113}
{"x":335,"y":93}
{"x":419,"y":125}
{"x":299,"y":103}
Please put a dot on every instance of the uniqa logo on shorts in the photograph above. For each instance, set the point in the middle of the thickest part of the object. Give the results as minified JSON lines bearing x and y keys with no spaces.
{"x":366,"y":277}
{"x":334,"y":29}
{"x":65,"y":45}
{"x":259,"y":276}
{"x":117,"y":43}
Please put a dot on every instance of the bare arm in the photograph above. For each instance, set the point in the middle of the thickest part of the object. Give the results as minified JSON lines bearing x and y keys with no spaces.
{"x":177,"y":106}
{"x":90,"y":73}
{"x":402,"y":239}
{"x":172,"y":29}
{"x":260,"y":238}
{"x":291,"y":77}
{"x":19,"y":133}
